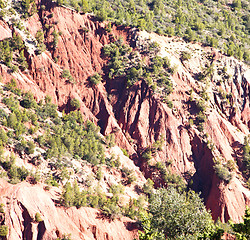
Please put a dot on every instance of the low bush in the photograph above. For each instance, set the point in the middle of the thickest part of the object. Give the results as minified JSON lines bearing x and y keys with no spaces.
{"x":1,"y":208}
{"x":75,"y":103}
{"x":95,"y":79}
{"x":185,"y":56}
{"x":66,"y":74}
{"x":4,"y":230}
{"x":222,"y":172}
{"x":38,"y":217}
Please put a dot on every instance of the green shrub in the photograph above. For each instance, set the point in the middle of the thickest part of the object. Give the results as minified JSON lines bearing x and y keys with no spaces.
{"x":22,"y":61}
{"x":11,"y":103}
{"x":222,"y":172}
{"x":110,"y":140}
{"x":40,"y":39}
{"x":1,"y":208}
{"x":68,"y":195}
{"x":147,"y":154}
{"x":173,"y":180}
{"x":185,"y":56}
{"x":170,"y":104}
{"x":68,"y":236}
{"x":116,"y":189}
{"x":246,"y":154}
{"x":12,"y":121}
{"x":26,"y":103}
{"x":4,"y":230}
{"x":242,"y":229}
{"x":66,"y":74}
{"x":148,"y":186}
{"x":128,"y":173}
{"x":51,"y":181}
{"x":179,"y":216}
{"x":200,"y":117}
{"x":55,"y":39}
{"x":2,"y":4}
{"x":38,"y":217}
{"x":95,"y":79}
{"x":75,"y":103}
{"x":125,"y":152}
{"x":31,"y":147}
{"x":111,"y":211}
{"x":99,"y":174}
{"x":201,"y":105}
{"x":3,"y":137}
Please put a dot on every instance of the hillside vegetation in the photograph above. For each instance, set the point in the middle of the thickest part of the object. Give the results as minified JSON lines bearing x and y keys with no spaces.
{"x":222,"y":24}
{"x":59,"y":148}
{"x":179,"y":110}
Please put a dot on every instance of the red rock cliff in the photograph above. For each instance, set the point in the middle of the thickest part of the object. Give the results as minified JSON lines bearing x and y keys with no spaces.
{"x":137,"y":116}
{"x":23,"y":201}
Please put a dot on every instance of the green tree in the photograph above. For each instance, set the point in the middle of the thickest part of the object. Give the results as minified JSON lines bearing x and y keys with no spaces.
{"x":3,"y":137}
{"x":243,"y":229}
{"x":179,"y":216}
{"x":17,"y":42}
{"x":148,"y":186}
{"x":1,"y":208}
{"x":12,"y":120}
{"x":190,"y":34}
{"x":185,"y":56}
{"x":22,"y":60}
{"x":246,"y":154}
{"x":55,"y":39}
{"x":149,"y":232}
{"x":40,"y":39}
{"x":68,"y":195}
{"x":31,"y":147}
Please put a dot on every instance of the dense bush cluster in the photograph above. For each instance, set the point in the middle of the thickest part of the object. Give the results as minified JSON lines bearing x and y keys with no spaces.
{"x":171,"y":212}
{"x":65,"y":135}
{"x":41,"y":47}
{"x":12,"y":53}
{"x":14,"y":173}
{"x":71,"y":136}
{"x":111,"y":206}
{"x":127,"y":64}
{"x":26,"y":7}
{"x":220,"y":24}
{"x":200,"y":116}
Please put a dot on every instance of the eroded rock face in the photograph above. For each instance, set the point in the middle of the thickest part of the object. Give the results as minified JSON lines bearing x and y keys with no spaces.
{"x":5,"y":31}
{"x":137,"y":116}
{"x":23,"y":201}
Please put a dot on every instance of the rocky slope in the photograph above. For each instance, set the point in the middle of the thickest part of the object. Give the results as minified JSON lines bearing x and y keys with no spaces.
{"x":139,"y":117}
{"x":23,"y":201}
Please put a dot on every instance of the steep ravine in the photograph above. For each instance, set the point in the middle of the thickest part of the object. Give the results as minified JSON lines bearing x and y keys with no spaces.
{"x":136,"y":115}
